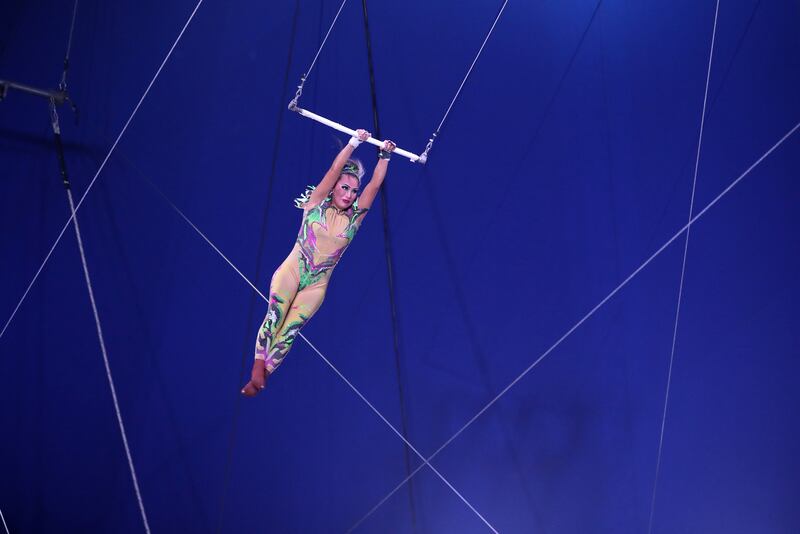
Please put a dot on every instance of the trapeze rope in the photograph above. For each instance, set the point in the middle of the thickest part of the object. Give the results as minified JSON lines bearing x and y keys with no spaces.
{"x":102,"y":166}
{"x":424,"y":155}
{"x":683,"y":272}
{"x":303,"y":78}
{"x":326,"y":360}
{"x":591,"y":312}
{"x":63,"y":85}
{"x":422,"y":158}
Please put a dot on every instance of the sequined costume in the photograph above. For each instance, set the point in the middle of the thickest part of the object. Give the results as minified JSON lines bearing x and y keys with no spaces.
{"x":298,"y":286}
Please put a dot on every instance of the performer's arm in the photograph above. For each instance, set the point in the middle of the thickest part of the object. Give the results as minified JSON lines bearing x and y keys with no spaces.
{"x":330,"y":178}
{"x":374,"y":185}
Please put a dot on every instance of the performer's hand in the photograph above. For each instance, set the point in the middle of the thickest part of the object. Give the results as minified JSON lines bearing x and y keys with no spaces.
{"x":388,"y":146}
{"x":363,"y":135}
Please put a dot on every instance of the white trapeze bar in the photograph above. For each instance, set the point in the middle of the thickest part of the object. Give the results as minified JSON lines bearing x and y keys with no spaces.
{"x":344,"y":129}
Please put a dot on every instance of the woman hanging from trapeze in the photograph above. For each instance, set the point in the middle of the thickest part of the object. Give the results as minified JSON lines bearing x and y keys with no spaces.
{"x":332,"y":214}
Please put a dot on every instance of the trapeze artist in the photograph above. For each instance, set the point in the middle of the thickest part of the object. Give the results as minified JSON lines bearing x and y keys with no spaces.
{"x":332,"y":214}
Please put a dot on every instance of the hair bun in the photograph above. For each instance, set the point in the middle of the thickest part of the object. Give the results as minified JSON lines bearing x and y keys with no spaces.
{"x":353,"y":167}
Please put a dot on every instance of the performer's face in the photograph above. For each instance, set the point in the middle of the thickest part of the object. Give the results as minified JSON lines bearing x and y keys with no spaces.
{"x":345,"y":192}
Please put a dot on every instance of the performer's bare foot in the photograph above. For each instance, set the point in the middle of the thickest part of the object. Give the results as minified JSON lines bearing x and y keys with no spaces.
{"x":258,"y":379}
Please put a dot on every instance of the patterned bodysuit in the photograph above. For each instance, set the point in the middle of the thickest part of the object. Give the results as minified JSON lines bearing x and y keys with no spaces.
{"x":298,"y":286}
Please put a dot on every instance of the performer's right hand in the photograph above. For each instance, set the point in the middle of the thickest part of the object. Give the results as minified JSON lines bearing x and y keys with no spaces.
{"x":363,"y":135}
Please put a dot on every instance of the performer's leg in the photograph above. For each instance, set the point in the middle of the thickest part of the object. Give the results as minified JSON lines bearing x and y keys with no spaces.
{"x":282,"y":290}
{"x":304,"y":306}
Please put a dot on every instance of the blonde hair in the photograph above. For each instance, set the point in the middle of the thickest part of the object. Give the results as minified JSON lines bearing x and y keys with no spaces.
{"x":354,"y":168}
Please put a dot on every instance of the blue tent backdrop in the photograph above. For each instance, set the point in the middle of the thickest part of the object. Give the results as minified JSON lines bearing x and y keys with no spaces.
{"x":564,"y":166}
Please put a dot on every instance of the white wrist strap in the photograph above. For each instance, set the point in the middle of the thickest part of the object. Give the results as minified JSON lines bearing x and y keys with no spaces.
{"x":354,"y":142}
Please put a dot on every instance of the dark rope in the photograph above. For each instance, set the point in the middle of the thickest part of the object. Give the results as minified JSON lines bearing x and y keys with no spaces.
{"x":247,"y":349}
{"x":387,"y":241}
{"x":63,"y":85}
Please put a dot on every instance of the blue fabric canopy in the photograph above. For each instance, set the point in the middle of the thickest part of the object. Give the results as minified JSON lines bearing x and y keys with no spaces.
{"x":565,"y":164}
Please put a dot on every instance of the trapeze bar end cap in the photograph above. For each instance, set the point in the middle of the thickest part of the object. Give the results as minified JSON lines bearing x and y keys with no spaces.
{"x":422,"y":159}
{"x":293,"y":106}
